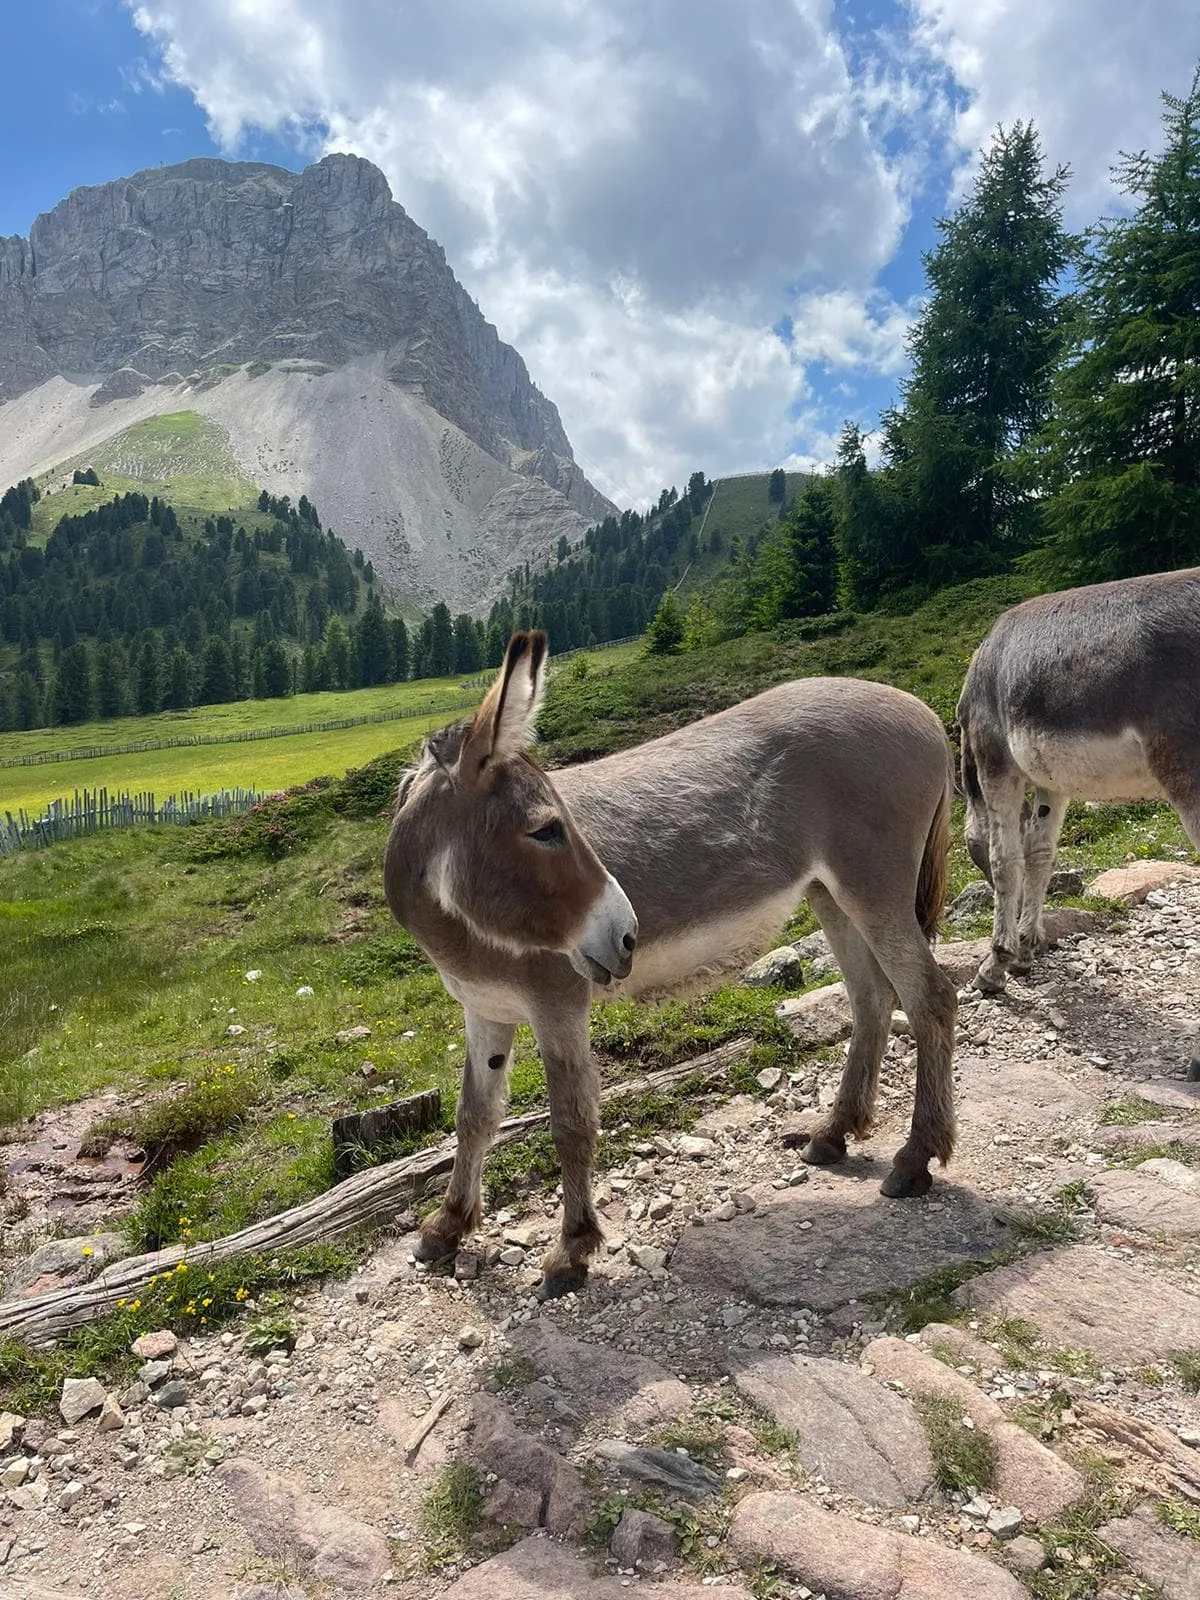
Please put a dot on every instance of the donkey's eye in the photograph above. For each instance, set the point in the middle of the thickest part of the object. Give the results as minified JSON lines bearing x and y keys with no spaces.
{"x":550,"y":833}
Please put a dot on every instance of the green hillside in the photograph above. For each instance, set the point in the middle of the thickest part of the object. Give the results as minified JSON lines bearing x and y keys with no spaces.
{"x":181,"y":457}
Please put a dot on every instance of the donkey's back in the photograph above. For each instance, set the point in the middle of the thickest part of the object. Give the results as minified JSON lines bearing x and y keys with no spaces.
{"x":718,"y":830}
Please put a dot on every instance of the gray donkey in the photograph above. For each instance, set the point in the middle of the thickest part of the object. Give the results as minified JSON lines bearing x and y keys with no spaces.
{"x":1091,"y":694}
{"x":533,"y":895}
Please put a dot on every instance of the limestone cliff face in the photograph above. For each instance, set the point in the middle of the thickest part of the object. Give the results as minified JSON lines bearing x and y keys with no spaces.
{"x":182,"y":274}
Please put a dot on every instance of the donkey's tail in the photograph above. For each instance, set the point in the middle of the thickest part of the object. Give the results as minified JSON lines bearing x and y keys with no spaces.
{"x":935,"y":863}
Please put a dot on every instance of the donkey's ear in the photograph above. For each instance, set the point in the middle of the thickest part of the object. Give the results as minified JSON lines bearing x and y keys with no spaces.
{"x":504,"y":723}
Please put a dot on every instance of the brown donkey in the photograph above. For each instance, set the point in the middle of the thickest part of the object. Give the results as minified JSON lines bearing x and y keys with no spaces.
{"x":512,"y":884}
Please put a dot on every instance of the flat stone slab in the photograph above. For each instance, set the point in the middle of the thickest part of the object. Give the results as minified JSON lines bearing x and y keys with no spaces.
{"x":284,"y":1520}
{"x":601,"y":1381}
{"x":859,"y":1243}
{"x":1177,"y":1093}
{"x":1014,"y":1095}
{"x":1082,"y":1296}
{"x":1167,"y":1559}
{"x":850,"y":1431}
{"x":847,"y":1560}
{"x":1028,"y":1474}
{"x":1141,"y":1200}
{"x":1131,"y":884}
{"x":540,"y":1569}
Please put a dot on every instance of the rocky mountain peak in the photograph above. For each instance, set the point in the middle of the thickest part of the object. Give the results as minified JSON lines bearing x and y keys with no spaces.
{"x":184,"y":274}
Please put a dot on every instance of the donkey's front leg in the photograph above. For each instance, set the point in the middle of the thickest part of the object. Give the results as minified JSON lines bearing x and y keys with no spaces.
{"x":481,"y":1102}
{"x":573,"y":1085}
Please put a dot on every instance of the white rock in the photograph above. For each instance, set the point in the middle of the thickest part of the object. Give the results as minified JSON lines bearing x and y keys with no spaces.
{"x":1005,"y":1522}
{"x":253,"y":975}
{"x":79,"y":1396}
{"x":304,"y":991}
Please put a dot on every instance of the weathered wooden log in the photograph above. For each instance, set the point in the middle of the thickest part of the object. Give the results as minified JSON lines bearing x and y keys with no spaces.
{"x":369,"y":1130}
{"x":373,"y":1196}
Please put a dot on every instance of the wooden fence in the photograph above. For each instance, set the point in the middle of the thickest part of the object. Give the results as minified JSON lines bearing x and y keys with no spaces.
{"x":90,"y":810}
{"x":179,"y":741}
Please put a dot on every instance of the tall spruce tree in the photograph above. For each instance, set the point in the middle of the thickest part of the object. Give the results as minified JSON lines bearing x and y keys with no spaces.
{"x":441,"y":653}
{"x":1122,"y":450}
{"x":373,"y":644}
{"x":983,"y":353}
{"x":73,"y":689}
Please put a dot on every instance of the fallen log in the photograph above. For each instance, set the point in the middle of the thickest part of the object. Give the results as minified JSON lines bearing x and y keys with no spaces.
{"x":373,"y":1196}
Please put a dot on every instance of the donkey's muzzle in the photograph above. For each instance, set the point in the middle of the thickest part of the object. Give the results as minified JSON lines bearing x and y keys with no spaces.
{"x":605,"y":948}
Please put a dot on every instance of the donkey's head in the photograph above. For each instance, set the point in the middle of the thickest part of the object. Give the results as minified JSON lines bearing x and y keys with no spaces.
{"x":493,"y":844}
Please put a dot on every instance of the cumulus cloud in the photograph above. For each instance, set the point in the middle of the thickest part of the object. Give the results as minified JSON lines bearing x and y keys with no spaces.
{"x":1088,"y":73}
{"x":635,"y":195}
{"x":680,"y":213}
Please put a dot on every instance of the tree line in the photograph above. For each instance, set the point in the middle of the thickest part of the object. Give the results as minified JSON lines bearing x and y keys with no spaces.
{"x":1050,"y":420}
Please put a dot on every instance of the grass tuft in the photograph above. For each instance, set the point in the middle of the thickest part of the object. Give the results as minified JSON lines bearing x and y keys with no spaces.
{"x":963,"y":1458}
{"x":451,"y":1514}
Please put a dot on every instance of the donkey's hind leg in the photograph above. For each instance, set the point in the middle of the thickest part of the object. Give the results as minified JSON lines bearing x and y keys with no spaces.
{"x":481,"y":1102}
{"x":573,"y":1088}
{"x":1187,"y":804}
{"x":871,"y":998}
{"x":1039,"y":841}
{"x":1004,"y":795}
{"x":929,"y":998}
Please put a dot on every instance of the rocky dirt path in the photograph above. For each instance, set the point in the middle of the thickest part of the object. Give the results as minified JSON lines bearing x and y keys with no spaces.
{"x":734,"y":1404}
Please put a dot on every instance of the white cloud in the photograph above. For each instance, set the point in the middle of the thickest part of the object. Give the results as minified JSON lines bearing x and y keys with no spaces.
{"x":1088,"y":72}
{"x":637,"y":194}
{"x":630,"y":191}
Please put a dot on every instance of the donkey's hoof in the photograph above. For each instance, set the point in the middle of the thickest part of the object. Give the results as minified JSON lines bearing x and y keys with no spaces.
{"x":901,"y":1185}
{"x":1193,"y":1071}
{"x":1021,"y":967}
{"x":819,"y":1152}
{"x":561,"y":1283}
{"x":433,"y":1251}
{"x":990,"y":979}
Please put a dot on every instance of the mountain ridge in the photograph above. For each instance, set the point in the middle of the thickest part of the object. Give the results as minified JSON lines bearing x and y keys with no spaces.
{"x":156,"y":292}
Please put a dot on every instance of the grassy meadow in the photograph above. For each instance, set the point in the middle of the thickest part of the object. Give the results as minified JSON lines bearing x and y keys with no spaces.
{"x":125,"y":957}
{"x":181,"y":456}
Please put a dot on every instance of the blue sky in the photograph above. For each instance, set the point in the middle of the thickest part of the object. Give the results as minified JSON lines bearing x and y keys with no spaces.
{"x":699,"y":221}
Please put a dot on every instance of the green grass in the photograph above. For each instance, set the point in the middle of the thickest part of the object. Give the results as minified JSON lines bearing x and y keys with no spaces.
{"x":236,"y":717}
{"x":963,"y":1458}
{"x":451,"y":1515}
{"x":1128,"y":1112}
{"x":266,"y":765}
{"x":180,"y":455}
{"x":191,"y":1301}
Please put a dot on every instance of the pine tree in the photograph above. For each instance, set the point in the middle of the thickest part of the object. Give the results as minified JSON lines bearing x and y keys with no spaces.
{"x":276,"y":670}
{"x":147,"y":677}
{"x":983,"y":352}
{"x":112,"y":680}
{"x":337,"y":654}
{"x":664,"y":637}
{"x":400,"y":662}
{"x":373,"y":645}
{"x":217,"y":682}
{"x":441,"y":655}
{"x":177,"y":695}
{"x":468,"y":657}
{"x":74,"y":696}
{"x":1122,"y":451}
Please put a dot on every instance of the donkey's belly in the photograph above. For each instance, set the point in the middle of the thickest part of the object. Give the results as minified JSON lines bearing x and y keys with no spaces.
{"x":1086,"y":767}
{"x":693,"y":958}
